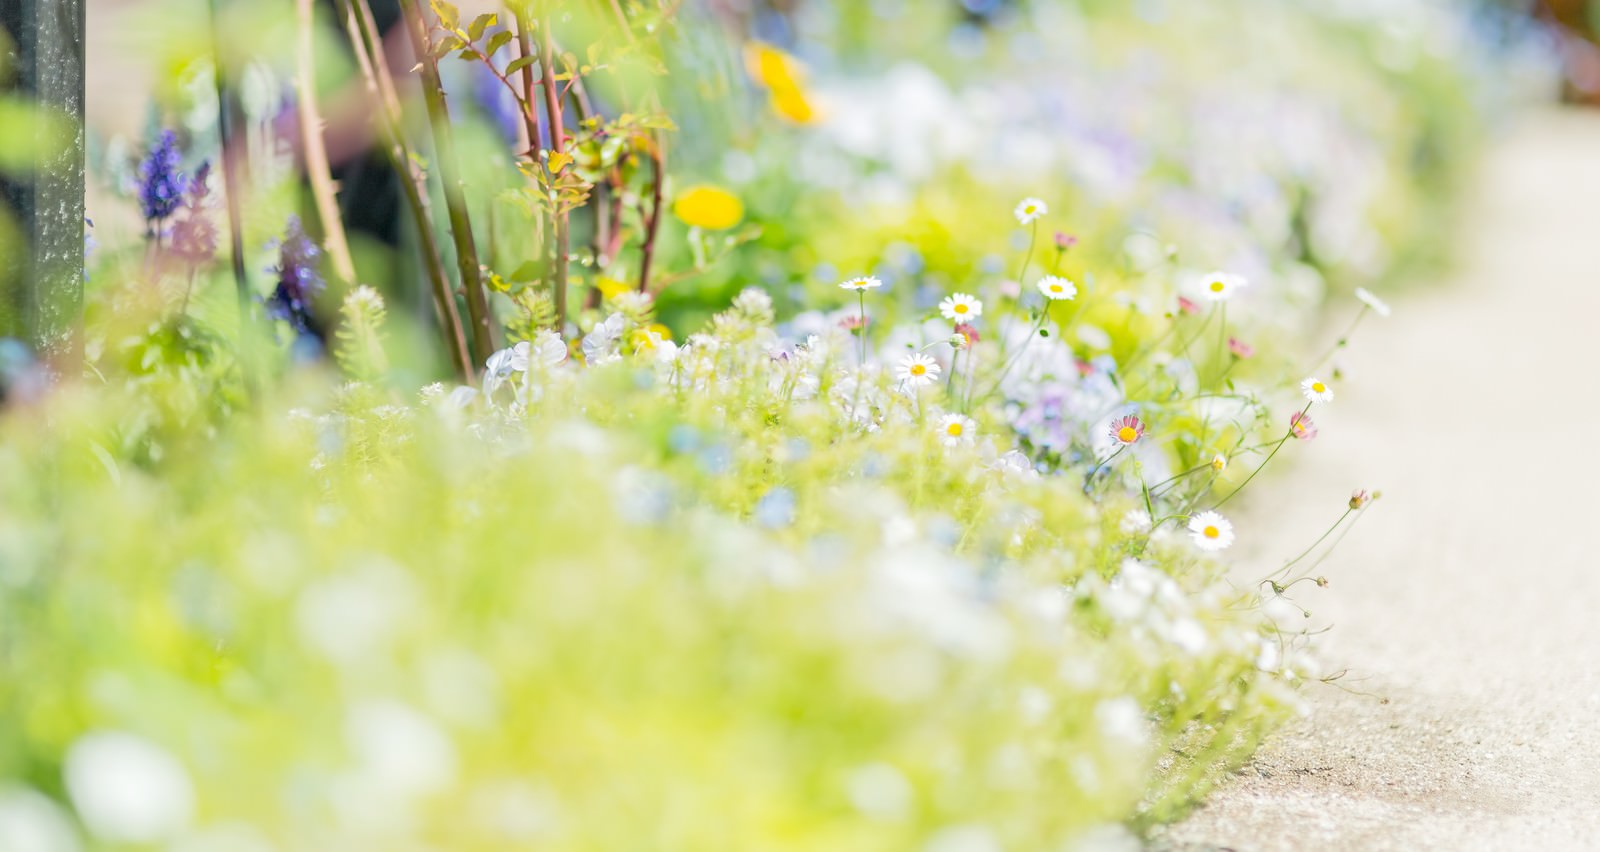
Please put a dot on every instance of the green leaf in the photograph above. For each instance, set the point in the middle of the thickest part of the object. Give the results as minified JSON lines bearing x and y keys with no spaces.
{"x":446,"y":45}
{"x":497,"y":41}
{"x":520,"y":63}
{"x":449,"y":16}
{"x":480,"y":24}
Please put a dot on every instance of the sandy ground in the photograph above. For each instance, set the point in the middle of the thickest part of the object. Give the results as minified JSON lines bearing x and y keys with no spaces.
{"x":1470,"y":595}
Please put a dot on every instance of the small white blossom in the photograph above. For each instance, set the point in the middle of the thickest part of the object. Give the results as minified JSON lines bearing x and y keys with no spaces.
{"x":961,"y":307}
{"x":861,"y":284}
{"x":955,"y":429}
{"x":1029,"y":210}
{"x":916,"y":370}
{"x":1055,"y":288}
{"x":1211,"y":531}
{"x":1314,"y":390}
{"x":1220,"y":286}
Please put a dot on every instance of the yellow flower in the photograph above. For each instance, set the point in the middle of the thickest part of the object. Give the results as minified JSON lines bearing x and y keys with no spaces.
{"x":784,"y":78}
{"x":708,"y":207}
{"x":611,"y":288}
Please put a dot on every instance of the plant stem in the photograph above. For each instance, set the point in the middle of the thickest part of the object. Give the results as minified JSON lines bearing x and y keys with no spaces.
{"x":366,"y":44}
{"x":1320,"y":539}
{"x":861,"y":330}
{"x":318,"y":171}
{"x":433,"y":96}
{"x":554,"y":123}
{"x":1033,"y":239}
{"x":232,"y":154}
{"x":1342,"y":339}
{"x":652,"y":223}
{"x":1286,"y":436}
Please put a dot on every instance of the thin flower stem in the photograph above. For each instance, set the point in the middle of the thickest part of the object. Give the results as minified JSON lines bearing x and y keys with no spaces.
{"x":1033,"y":239}
{"x":861,"y":330}
{"x":1341,"y":341}
{"x":1088,"y":481}
{"x":1286,"y":436}
{"x":1335,"y":545}
{"x":1320,"y":539}
{"x":1222,"y":334}
{"x":1190,"y":472}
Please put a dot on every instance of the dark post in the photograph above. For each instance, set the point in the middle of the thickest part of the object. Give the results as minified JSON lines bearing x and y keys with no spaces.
{"x":43,"y":263}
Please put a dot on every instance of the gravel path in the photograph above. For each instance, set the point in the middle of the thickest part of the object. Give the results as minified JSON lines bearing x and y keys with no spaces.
{"x":1470,"y":594}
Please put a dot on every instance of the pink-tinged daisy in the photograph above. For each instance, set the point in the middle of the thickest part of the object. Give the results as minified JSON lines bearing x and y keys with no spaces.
{"x":916,"y":370}
{"x":861,"y":284}
{"x":1302,"y":427}
{"x":1359,"y":499}
{"x":1239,"y":348}
{"x":1188,"y":306}
{"x":1065,"y":241}
{"x":968,"y":333}
{"x":1085,"y":369}
{"x":1056,"y":289}
{"x":853,"y":322}
{"x":1211,"y":531}
{"x":1029,"y":210}
{"x":1316,"y":391}
{"x":955,"y":429}
{"x":1126,"y":430}
{"x":1220,"y":286}
{"x":960,"y":307}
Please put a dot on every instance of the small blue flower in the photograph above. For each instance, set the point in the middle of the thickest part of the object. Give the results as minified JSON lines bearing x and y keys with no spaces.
{"x":776,"y":508}
{"x":161,"y":185}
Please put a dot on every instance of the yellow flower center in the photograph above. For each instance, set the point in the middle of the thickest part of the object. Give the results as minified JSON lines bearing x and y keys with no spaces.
{"x":918,"y":369}
{"x":1218,"y":286}
{"x":960,"y":308}
{"x":1319,"y":387}
{"x":1055,"y":288}
{"x":1127,"y":434}
{"x":954,"y":429}
{"x":1211,"y":532}
{"x":1029,"y":209}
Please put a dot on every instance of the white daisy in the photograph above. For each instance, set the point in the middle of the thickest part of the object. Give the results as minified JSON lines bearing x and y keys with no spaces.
{"x":1376,"y":304}
{"x":1029,"y":210}
{"x":1314,"y":390}
{"x":960,"y":307}
{"x":862,"y":283}
{"x":955,"y":429}
{"x":1211,"y":531}
{"x":1055,"y":288}
{"x":916,"y":370}
{"x":1219,"y":286}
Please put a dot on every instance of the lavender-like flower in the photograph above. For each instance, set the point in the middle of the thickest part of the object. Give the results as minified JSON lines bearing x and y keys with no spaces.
{"x":161,"y":185}
{"x":194,"y":237}
{"x":299,"y":282}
